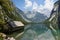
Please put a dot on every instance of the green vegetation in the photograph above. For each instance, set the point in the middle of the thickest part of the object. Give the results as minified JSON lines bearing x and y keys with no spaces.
{"x":8,"y":11}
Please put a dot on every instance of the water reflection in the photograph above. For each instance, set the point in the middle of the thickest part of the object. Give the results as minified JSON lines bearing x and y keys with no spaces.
{"x":39,"y":32}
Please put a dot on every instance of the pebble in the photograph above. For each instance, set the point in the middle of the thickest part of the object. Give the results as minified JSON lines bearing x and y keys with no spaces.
{"x":10,"y":38}
{"x":5,"y":37}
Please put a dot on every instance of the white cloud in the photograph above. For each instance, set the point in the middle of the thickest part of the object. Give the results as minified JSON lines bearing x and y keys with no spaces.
{"x":46,"y":8}
{"x":35,"y":6}
{"x":43,"y":9}
{"x":49,"y":4}
{"x":28,"y":3}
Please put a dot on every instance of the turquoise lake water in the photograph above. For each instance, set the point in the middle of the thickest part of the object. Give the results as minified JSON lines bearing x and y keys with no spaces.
{"x":39,"y":32}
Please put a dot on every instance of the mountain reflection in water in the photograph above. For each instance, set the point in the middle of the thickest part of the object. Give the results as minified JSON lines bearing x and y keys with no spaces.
{"x":39,"y":32}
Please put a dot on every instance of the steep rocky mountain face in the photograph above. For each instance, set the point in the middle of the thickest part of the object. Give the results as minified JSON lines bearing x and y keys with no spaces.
{"x":34,"y":16}
{"x":59,"y":18}
{"x":59,"y":14}
{"x":54,"y":15}
{"x":8,"y":12}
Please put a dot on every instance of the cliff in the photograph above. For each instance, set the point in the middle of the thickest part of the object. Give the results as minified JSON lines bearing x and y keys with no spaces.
{"x":8,"y":14}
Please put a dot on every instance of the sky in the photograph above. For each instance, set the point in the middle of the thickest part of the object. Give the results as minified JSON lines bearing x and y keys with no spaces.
{"x":42,"y":6}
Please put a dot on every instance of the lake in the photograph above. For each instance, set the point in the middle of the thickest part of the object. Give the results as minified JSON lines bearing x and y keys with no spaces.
{"x":38,"y":32}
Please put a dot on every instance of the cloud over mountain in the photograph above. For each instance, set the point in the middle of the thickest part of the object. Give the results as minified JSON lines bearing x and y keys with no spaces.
{"x":28,"y":3}
{"x":44,"y":9}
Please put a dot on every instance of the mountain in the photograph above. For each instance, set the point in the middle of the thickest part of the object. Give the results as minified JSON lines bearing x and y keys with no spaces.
{"x":37,"y":17}
{"x":33,"y":16}
{"x":54,"y":16}
{"x":54,"y":13}
{"x":58,"y":14}
{"x":21,"y":14}
{"x":8,"y":14}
